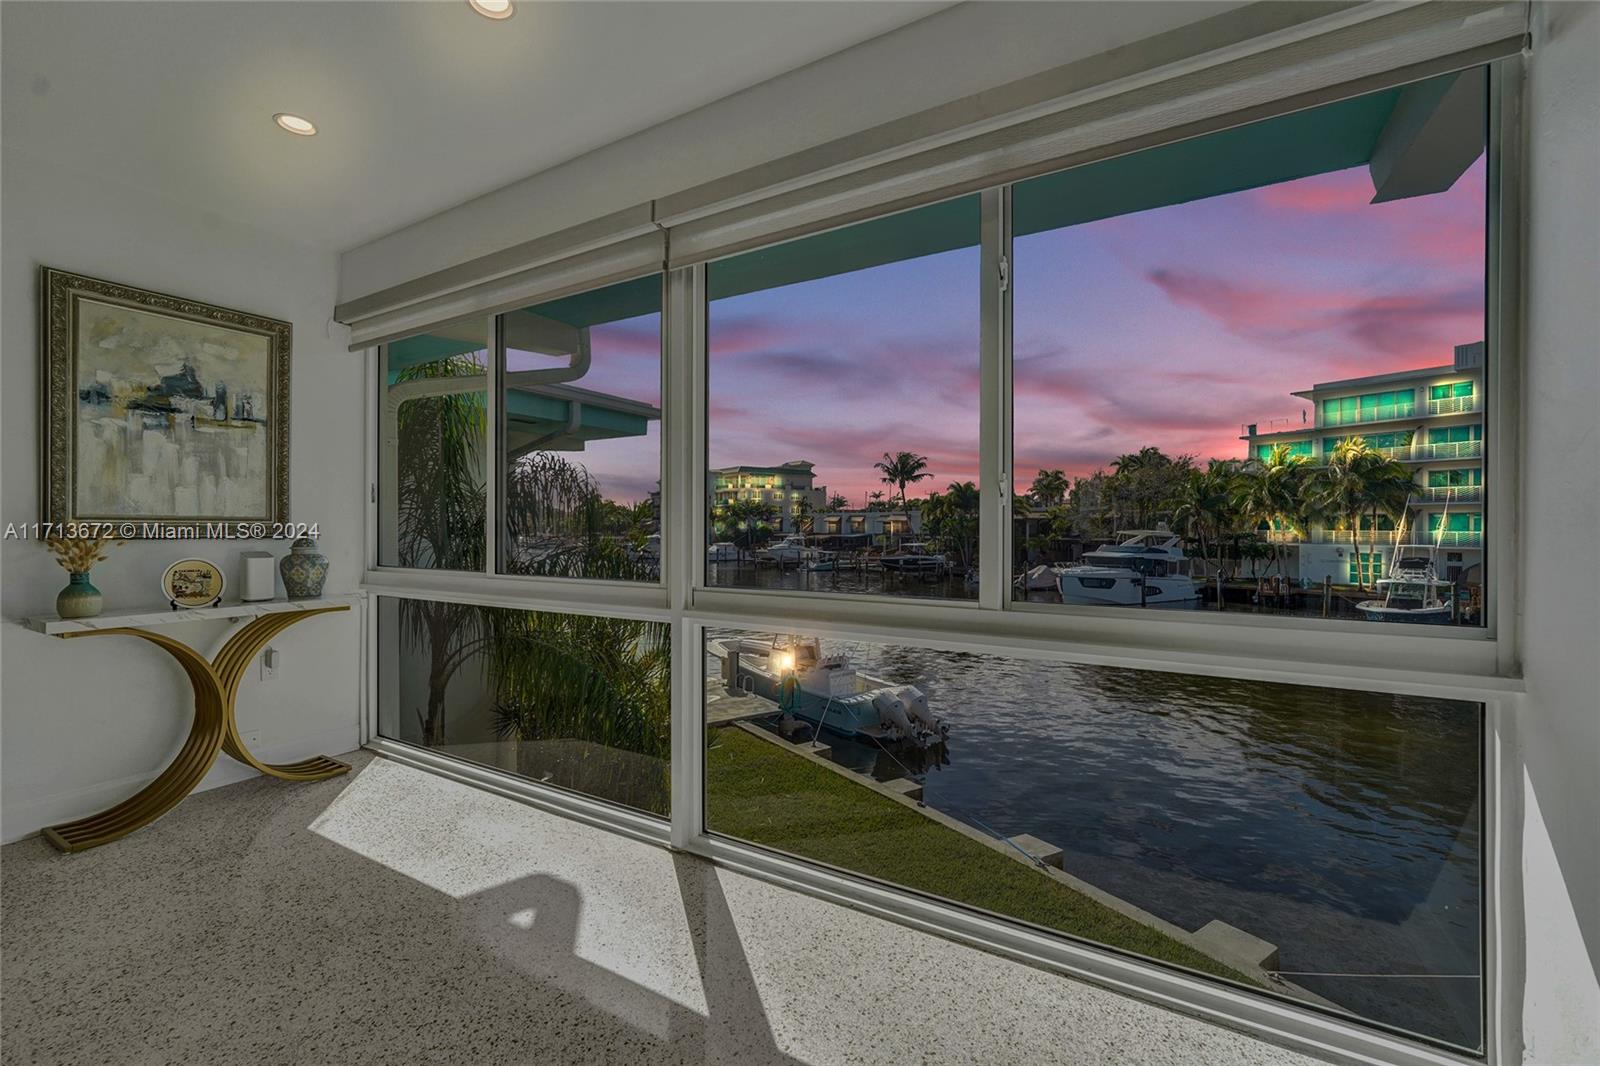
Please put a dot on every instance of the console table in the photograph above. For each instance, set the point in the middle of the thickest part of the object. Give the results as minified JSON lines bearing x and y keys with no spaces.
{"x":216,"y":685}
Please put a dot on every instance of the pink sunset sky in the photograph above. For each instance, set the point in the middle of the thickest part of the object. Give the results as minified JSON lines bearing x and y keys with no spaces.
{"x":1169,"y":327}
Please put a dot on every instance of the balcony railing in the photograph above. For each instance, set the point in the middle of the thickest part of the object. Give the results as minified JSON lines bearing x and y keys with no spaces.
{"x":1381,"y":413}
{"x":1451,"y":494}
{"x":1453,"y":405}
{"x":1455,"y":449}
{"x":1450,"y":538}
{"x":1329,"y":536}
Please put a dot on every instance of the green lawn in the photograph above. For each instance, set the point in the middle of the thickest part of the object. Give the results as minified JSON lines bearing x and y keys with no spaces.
{"x":758,"y":792}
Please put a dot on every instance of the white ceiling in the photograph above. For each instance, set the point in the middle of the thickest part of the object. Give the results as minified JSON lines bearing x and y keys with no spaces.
{"x":420,"y":105}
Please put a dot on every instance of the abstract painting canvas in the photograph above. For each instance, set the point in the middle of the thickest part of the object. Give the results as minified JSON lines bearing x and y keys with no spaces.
{"x":161,"y":411}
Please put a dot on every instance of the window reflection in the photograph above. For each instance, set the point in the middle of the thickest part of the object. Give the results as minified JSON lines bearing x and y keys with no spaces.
{"x":582,"y":490}
{"x":570,"y":700}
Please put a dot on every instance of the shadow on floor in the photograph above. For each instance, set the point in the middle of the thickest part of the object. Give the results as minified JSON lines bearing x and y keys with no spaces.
{"x":229,"y":932}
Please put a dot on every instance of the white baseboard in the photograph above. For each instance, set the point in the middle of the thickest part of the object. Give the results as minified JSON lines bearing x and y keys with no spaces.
{"x":24,"y":818}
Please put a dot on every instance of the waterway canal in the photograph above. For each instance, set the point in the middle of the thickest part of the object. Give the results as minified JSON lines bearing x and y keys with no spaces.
{"x":1342,"y":827}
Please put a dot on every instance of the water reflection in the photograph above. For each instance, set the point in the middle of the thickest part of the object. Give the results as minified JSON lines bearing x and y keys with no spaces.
{"x":1341,"y":826}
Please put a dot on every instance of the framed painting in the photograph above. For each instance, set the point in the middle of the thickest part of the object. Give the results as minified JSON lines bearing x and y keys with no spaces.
{"x":167,"y":416}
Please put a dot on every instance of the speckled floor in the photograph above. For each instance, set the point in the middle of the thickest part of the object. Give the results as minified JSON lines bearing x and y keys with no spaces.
{"x":394,"y":917}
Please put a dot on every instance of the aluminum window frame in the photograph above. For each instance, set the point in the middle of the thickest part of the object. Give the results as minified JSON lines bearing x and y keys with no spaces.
{"x":1480,"y":665}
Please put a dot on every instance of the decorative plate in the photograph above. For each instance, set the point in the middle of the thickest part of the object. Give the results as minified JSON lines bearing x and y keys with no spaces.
{"x":192,"y":583}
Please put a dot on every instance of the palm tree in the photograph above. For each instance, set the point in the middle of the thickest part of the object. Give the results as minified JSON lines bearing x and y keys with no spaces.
{"x":1049,"y":487}
{"x":440,"y":515}
{"x":1206,"y":511}
{"x":1268,"y":491}
{"x":902,"y":469}
{"x":802,"y":514}
{"x":951,"y":519}
{"x":746,"y":516}
{"x":1358,"y":482}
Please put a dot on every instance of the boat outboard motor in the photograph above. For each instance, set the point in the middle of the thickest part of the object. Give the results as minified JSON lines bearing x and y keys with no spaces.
{"x":892,"y":712}
{"x":917,"y":707}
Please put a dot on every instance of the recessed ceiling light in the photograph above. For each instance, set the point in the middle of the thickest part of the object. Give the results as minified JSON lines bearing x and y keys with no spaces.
{"x":493,"y":9}
{"x":295,"y":124}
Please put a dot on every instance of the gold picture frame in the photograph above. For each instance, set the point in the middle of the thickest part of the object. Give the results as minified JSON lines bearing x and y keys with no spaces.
{"x":165,"y":416}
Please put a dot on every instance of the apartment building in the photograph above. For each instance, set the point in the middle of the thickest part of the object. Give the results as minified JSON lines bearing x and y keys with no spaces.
{"x":791,"y":489}
{"x":1430,"y":419}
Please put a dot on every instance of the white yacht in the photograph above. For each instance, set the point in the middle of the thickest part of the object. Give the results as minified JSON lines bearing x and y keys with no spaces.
{"x":826,"y":690}
{"x":786,"y":552}
{"x":1148,"y":567}
{"x":1410,"y":594}
{"x":722,"y":552}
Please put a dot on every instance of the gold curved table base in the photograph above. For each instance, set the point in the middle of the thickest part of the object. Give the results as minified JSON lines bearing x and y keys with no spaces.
{"x":216,"y":687}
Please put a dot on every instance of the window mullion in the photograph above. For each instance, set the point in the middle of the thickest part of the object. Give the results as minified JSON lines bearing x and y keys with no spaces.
{"x":493,"y":434}
{"x":683,"y":523}
{"x":994,"y":398}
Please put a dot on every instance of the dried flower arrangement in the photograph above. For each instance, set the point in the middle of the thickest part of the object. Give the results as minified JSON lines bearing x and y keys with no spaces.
{"x":77,"y":554}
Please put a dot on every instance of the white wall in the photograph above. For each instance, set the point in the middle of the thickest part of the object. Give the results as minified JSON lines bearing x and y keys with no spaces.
{"x":950,"y":55}
{"x":84,"y":723}
{"x":1559,"y":729}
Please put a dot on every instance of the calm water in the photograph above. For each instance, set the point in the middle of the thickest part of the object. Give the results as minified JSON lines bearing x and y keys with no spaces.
{"x":1342,"y":827}
{"x":954,"y":587}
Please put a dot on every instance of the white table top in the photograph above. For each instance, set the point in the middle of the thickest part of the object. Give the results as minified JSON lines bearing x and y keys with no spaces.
{"x":147,"y":617}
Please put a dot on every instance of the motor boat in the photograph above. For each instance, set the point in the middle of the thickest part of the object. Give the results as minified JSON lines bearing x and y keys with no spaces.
{"x":821,"y":562}
{"x":786,"y":552}
{"x":1410,"y":594}
{"x":722,"y":552}
{"x":827,"y":690}
{"x":914,"y":557}
{"x":1148,"y":567}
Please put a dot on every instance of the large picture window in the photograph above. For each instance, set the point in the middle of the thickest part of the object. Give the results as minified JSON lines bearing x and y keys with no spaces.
{"x":1192,"y":320}
{"x":432,"y":463}
{"x":842,"y":425}
{"x":574,"y":701}
{"x":581,"y":490}
{"x":1216,"y":407}
{"x":1313,"y":843}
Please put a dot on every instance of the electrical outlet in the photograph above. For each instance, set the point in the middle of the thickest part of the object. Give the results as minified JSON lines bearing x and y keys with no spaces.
{"x":269,"y":663}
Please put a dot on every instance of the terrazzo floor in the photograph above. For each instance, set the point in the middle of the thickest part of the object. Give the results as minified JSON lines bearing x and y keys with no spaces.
{"x":394,"y":917}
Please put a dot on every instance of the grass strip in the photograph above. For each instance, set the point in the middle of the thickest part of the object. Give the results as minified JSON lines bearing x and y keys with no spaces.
{"x":758,"y":792}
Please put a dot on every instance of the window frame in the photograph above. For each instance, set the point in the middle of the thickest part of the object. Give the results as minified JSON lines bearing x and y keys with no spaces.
{"x":1480,"y":665}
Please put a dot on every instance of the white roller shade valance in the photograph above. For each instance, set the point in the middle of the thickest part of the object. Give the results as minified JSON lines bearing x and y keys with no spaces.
{"x":1084,"y":111}
{"x":1247,"y":64}
{"x":615,"y":248}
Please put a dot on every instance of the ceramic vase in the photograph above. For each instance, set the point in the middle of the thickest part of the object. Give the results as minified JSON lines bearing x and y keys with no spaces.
{"x":304,"y":570}
{"x":79,"y":599}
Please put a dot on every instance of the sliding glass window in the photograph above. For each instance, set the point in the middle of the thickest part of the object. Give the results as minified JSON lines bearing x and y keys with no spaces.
{"x":581,"y":435}
{"x":432,"y":461}
{"x":1317,"y":844}
{"x":574,"y":701}
{"x":1229,"y":354}
{"x":842,"y":424}
{"x":1251,"y":372}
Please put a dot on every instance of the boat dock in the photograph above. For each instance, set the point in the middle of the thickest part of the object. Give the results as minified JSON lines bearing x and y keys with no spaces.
{"x":724,"y":708}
